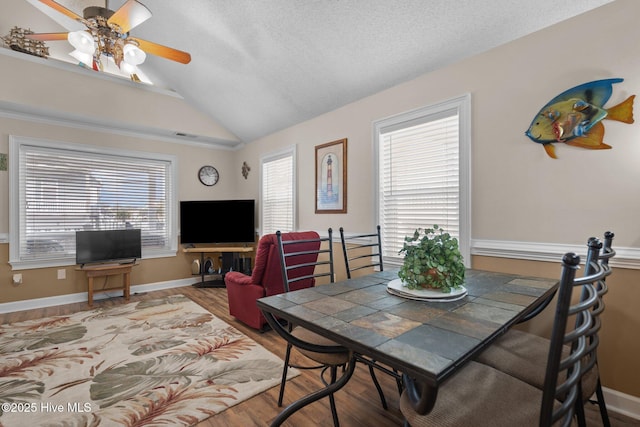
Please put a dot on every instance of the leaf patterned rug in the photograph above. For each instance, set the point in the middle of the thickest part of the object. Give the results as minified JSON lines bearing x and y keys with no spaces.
{"x":163,"y":362}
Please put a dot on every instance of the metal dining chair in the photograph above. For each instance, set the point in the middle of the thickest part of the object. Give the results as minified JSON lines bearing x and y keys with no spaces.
{"x":305,"y":261}
{"x":364,"y":251}
{"x":521,"y":354}
{"x":480,"y":395}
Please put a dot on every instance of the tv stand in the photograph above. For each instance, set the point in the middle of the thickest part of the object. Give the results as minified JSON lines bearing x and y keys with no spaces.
{"x":218,"y":282}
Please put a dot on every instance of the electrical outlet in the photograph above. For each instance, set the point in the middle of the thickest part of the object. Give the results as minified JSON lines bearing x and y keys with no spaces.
{"x":17,"y":279}
{"x":62,"y":274}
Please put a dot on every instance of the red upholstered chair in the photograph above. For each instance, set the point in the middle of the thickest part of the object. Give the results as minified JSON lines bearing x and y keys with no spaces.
{"x":265,"y":280}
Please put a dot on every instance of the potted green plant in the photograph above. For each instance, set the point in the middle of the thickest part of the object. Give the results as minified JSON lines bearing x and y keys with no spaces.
{"x":432,"y":260}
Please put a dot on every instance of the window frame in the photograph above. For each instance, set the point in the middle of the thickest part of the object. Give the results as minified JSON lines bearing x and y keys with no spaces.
{"x":462,"y":104}
{"x":290,"y":151}
{"x":16,"y":144}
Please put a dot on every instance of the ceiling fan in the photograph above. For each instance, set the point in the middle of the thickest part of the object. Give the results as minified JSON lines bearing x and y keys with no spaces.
{"x":107,"y":34}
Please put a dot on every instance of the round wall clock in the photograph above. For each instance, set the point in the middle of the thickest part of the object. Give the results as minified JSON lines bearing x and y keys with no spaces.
{"x":208,"y":175}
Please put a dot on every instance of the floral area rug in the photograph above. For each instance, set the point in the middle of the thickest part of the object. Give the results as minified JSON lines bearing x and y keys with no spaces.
{"x":164,"y":362}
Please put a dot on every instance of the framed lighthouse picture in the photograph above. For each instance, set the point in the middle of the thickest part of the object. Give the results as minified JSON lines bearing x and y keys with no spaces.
{"x":331,"y":177}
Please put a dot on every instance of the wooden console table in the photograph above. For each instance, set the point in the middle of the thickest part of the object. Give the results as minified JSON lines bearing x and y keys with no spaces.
{"x":219,"y":282}
{"x":104,"y":270}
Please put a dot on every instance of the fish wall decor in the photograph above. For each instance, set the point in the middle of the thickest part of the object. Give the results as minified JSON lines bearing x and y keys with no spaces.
{"x":575,"y":117}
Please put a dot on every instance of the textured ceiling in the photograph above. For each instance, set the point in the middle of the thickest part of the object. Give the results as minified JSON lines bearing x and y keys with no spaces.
{"x":260,"y":66}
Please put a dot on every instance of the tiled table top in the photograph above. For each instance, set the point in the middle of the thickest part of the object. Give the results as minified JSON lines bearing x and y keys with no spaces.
{"x":427,"y":340}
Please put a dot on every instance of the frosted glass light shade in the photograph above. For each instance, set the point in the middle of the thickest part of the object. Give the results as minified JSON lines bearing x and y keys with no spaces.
{"x":82,"y":41}
{"x":84,"y":58}
{"x":127,"y":68}
{"x":133,"y":55}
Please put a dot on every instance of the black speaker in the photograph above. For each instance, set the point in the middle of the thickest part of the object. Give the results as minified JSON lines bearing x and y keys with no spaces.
{"x":227,"y":262}
{"x":244,"y":265}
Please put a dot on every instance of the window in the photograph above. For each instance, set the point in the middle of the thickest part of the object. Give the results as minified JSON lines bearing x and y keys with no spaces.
{"x":59,"y":188}
{"x":278,"y":191}
{"x":423,"y":170}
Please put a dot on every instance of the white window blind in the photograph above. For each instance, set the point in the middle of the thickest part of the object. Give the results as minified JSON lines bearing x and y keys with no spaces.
{"x":62,"y":189}
{"x":277,"y":202}
{"x":419,"y":177}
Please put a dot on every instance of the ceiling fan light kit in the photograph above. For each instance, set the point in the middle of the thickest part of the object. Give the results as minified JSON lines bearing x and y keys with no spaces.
{"x":82,"y":41}
{"x":83,"y":58}
{"x":133,"y":54}
{"x":107,"y":37}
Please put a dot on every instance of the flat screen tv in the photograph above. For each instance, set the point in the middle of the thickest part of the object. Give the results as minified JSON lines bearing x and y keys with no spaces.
{"x":96,"y":246}
{"x":217,"y":221}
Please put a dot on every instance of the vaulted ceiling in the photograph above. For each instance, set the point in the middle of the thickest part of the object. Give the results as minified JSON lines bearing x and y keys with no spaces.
{"x":260,"y":66}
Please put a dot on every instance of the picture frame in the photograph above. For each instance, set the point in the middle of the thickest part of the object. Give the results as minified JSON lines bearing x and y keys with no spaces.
{"x":331,"y":177}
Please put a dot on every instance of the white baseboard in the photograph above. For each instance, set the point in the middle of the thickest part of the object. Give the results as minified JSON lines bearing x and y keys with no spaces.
{"x":621,"y":403}
{"x":82,"y":296}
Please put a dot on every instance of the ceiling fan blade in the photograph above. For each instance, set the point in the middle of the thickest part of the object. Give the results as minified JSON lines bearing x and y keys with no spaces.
{"x":160,"y":50}
{"x":60,"y":8}
{"x":131,"y":14}
{"x":47,"y":36}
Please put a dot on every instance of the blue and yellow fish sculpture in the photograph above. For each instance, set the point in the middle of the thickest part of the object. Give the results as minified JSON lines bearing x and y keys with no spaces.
{"x":575,"y":117}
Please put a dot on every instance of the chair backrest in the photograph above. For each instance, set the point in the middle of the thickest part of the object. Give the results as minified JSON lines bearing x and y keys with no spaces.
{"x":566,"y":387}
{"x":267,"y":271}
{"x":601,"y":288}
{"x":300,"y":259}
{"x":361,"y":251}
{"x":607,"y":250}
{"x":607,"y":253}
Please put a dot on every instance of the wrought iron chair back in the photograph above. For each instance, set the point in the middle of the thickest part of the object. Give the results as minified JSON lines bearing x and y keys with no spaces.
{"x":567,"y":387}
{"x":361,"y":251}
{"x":304,"y":260}
{"x":593,"y":339}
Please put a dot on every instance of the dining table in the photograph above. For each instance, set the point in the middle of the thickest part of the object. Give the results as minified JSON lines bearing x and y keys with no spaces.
{"x":426,"y":339}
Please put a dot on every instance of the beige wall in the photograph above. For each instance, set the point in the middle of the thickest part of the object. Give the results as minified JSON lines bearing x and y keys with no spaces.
{"x":26,"y":81}
{"x":518,"y":193}
{"x":514,"y":182}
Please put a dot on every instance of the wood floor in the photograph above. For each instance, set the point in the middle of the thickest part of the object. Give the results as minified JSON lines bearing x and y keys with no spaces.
{"x":358,"y":402}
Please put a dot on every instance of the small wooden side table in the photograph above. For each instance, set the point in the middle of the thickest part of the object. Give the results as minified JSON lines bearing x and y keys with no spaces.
{"x":108,"y":270}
